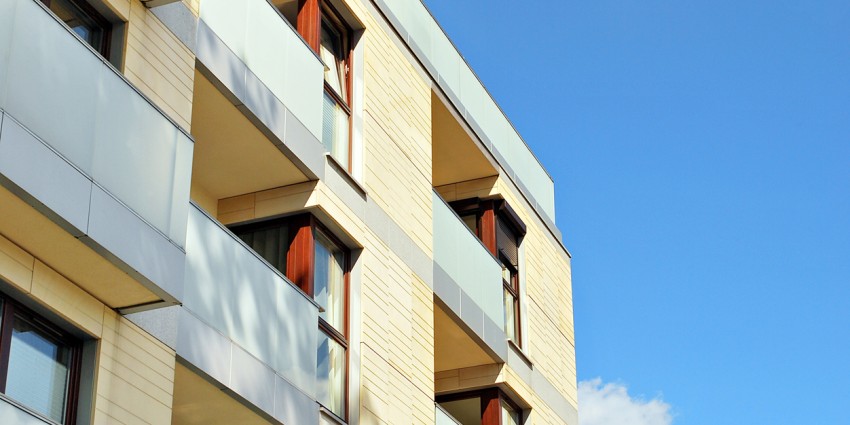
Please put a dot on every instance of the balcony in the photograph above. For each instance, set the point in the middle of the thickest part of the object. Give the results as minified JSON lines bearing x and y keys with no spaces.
{"x":468,"y":282}
{"x":245,"y":328}
{"x":252,"y":55}
{"x":88,"y":151}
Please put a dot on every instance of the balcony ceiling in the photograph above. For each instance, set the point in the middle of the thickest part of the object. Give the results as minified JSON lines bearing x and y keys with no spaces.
{"x":232,"y":157}
{"x":199,"y":402}
{"x":456,"y":157}
{"x":44,"y":239}
{"x":453,"y":347}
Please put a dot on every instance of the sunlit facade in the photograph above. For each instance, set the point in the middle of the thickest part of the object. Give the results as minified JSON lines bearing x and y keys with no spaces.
{"x":269,"y":212}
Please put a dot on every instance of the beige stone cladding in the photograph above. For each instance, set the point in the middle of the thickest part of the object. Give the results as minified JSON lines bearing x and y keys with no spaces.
{"x":155,"y":61}
{"x":134,"y":378}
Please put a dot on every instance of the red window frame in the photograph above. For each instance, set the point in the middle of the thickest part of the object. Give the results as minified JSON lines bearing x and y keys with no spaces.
{"x":311,"y":15}
{"x":490,"y":214}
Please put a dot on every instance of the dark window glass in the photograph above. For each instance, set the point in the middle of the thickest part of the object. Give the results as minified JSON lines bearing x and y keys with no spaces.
{"x":271,"y":243}
{"x":84,"y":21}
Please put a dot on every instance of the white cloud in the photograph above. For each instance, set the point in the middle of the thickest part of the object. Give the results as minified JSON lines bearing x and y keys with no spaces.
{"x":611,"y":404}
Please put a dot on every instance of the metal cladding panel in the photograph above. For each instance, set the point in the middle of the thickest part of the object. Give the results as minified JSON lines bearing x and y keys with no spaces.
{"x":204,"y":347}
{"x":56,"y":106}
{"x":93,"y":117}
{"x":44,"y":175}
{"x":116,"y":229}
{"x":292,"y":406}
{"x":465,"y":260}
{"x":7,"y":15}
{"x":252,"y":379}
{"x":134,"y":150}
{"x":234,"y":291}
{"x":273,"y":51}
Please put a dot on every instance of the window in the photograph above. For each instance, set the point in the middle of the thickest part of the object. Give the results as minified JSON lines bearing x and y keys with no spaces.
{"x":86,"y":22}
{"x":500,"y":230}
{"x":318,"y":263}
{"x":39,"y":363}
{"x":489,"y":406}
{"x":326,"y":32}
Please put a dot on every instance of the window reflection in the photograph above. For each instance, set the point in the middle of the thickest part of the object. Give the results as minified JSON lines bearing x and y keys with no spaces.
{"x":38,"y":370}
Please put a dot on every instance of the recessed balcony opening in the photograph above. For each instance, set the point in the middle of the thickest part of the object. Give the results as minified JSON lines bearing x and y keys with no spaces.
{"x":488,"y":406}
{"x":456,"y":156}
{"x":232,"y":155}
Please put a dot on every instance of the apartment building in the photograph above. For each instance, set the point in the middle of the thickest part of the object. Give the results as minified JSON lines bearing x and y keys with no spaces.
{"x":268,"y":212}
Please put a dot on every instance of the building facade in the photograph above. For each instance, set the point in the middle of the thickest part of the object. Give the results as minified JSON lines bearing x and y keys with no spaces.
{"x":268,"y":212}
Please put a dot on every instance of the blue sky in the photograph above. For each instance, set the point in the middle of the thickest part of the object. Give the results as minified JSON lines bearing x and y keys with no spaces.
{"x":701,"y":154}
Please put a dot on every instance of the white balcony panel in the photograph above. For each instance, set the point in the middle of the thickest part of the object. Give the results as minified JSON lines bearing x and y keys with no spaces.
{"x":231,"y":289}
{"x":274,"y":52}
{"x":7,"y":15}
{"x":462,"y":256}
{"x":68,"y":96}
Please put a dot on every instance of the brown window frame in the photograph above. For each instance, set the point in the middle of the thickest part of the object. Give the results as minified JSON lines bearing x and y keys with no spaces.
{"x":11,"y":309}
{"x":100,"y":20}
{"x":491,"y":403}
{"x":489,"y":214}
{"x":311,"y":15}
{"x":300,"y":270}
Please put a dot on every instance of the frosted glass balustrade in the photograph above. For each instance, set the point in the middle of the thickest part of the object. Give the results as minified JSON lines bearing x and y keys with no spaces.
{"x":274,"y":52}
{"x":459,"y":253}
{"x":93,"y":117}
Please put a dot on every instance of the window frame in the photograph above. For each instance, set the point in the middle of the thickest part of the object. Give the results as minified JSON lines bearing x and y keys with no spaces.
{"x":310,"y":18}
{"x":105,"y":25}
{"x":10,"y":309}
{"x":489,"y":214}
{"x":300,"y":270}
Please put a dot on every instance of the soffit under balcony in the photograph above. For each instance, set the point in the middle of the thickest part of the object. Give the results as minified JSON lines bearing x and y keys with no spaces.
{"x":54,"y":246}
{"x":232,"y":156}
{"x":457,"y":157}
{"x":199,"y":402}
{"x":453,"y":347}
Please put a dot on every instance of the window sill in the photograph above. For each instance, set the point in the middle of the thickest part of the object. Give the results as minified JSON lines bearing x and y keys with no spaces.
{"x":519,"y":352}
{"x":346,"y":175}
{"x":331,"y":416}
{"x":29,"y":411}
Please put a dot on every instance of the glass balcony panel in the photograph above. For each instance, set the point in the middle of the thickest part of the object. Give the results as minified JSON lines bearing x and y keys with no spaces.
{"x":65,"y":94}
{"x":274,"y":52}
{"x":462,"y":256}
{"x":230,"y":288}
